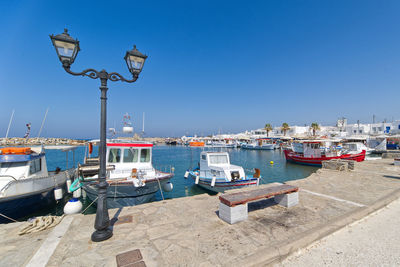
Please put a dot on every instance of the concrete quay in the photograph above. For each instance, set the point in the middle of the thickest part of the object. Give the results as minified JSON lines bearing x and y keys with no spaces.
{"x":188,"y":232}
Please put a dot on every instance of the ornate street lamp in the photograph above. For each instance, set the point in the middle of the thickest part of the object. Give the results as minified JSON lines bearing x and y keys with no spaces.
{"x":67,"y":49}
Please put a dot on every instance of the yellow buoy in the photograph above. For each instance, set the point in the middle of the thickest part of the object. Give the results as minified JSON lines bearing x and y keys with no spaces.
{"x":271,"y":162}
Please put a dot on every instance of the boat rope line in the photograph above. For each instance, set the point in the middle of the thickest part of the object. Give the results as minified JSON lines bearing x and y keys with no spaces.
{"x":334,"y":198}
{"x":11,"y":219}
{"x":159,"y":185}
{"x":89,"y":205}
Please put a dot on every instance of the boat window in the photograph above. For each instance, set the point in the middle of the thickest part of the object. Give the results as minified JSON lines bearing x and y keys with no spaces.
{"x":130,"y":155}
{"x":145,"y":155}
{"x":8,"y":167}
{"x":35,"y":166}
{"x":218,"y":159}
{"x":204,"y":157}
{"x":114,"y":156}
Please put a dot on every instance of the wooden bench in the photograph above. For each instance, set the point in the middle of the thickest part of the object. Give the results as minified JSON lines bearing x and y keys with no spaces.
{"x":233,"y":206}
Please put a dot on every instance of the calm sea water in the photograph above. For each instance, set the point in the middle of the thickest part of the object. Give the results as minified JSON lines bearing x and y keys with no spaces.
{"x":183,"y":158}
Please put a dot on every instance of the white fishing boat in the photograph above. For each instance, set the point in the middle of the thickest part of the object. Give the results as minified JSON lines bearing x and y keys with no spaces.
{"x":355,"y":148}
{"x":217,"y":174}
{"x":261,"y":144}
{"x":132,"y":179}
{"x":25,"y":183}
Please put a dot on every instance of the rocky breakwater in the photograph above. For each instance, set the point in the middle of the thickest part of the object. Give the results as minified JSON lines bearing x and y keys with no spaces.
{"x":18,"y":141}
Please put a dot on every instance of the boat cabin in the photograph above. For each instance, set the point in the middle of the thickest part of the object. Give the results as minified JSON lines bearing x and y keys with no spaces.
{"x":22,"y":162}
{"x":218,"y":164}
{"x":126,"y":158}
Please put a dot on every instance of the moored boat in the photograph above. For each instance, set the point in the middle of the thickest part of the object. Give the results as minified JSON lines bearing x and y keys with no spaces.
{"x":313,"y":154}
{"x":25,"y":183}
{"x":132,"y":178}
{"x":215,"y":173}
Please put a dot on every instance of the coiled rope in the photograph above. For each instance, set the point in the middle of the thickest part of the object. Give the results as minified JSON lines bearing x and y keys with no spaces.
{"x":40,"y":224}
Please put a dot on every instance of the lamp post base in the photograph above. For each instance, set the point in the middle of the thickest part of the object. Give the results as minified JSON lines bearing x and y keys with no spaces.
{"x":102,"y":235}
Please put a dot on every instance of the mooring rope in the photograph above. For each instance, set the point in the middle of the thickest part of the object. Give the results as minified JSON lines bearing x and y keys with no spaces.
{"x":159,"y":185}
{"x":40,"y":224}
{"x":11,"y":219}
{"x":89,"y":205}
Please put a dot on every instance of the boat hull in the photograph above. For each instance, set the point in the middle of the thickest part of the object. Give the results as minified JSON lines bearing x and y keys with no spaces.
{"x":221,"y":187}
{"x":124,"y":193}
{"x":264,"y":147}
{"x":297,"y":158}
{"x":23,"y":206}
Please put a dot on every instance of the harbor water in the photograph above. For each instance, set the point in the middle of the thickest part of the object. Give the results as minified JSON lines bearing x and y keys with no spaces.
{"x":181,"y":158}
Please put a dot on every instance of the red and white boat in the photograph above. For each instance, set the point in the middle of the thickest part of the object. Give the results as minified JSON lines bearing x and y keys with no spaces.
{"x":313,"y":154}
{"x":132,"y":178}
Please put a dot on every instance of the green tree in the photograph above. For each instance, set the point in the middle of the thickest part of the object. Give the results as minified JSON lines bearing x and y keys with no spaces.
{"x":268,"y":128}
{"x":314,"y":127}
{"x":285,"y":127}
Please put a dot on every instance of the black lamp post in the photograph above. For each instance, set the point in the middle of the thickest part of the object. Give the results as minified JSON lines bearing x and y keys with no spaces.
{"x":67,"y":49}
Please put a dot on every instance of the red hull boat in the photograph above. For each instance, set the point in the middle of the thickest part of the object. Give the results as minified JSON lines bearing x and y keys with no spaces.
{"x":317,"y":161}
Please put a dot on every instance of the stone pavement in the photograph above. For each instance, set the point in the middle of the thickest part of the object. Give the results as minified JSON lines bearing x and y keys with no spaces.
{"x":188,"y":232}
{"x":372,"y":241}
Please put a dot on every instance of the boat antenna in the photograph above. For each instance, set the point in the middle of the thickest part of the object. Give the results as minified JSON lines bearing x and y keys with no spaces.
{"x":9,"y":124}
{"x":44,"y":119}
{"x":143,"y":125}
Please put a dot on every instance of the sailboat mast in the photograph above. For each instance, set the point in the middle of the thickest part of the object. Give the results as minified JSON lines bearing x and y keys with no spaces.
{"x":44,"y":119}
{"x":9,"y":124}
{"x":143,"y":124}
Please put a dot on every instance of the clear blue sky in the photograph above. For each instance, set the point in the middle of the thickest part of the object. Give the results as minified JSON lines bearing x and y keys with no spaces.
{"x":212,"y":65}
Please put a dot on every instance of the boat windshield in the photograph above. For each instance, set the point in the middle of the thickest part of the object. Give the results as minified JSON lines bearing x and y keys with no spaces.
{"x":145,"y":155}
{"x":218,"y":159}
{"x":7,"y":168}
{"x":130,"y":155}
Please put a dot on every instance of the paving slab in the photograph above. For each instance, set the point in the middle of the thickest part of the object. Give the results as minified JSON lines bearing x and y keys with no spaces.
{"x":188,"y":232}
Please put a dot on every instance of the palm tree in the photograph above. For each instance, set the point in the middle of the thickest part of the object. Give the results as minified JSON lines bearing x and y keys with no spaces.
{"x":268,"y":128}
{"x":314,"y":127}
{"x":285,"y":127}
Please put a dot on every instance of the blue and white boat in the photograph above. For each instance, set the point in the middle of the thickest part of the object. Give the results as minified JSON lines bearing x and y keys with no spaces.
{"x":261,"y":144}
{"x":217,"y":174}
{"x":25,"y":183}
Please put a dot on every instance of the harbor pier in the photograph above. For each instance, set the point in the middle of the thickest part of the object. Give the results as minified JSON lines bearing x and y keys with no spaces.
{"x":188,"y":232}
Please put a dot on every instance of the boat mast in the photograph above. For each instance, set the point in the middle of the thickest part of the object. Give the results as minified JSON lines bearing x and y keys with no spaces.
{"x":44,"y":119}
{"x":143,"y":125}
{"x":9,"y":124}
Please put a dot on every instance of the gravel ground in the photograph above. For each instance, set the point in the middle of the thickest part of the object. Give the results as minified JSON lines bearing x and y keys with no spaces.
{"x":372,"y":241}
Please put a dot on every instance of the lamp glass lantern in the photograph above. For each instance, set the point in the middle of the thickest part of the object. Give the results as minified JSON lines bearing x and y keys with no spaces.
{"x":135,"y":60}
{"x":67,"y":48}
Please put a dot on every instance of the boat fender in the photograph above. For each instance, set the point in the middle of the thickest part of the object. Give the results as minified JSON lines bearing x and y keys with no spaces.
{"x":69,"y":185}
{"x":271,"y":162}
{"x":58,"y":193}
{"x":167,"y":187}
{"x":213,"y":181}
{"x":76,"y":184}
{"x":73,"y":206}
{"x":90,"y":148}
{"x":186,"y":174}
{"x":197,"y":179}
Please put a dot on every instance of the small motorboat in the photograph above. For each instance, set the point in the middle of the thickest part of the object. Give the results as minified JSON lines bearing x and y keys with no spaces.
{"x":261,"y":144}
{"x":132,"y":178}
{"x":217,"y":174}
{"x":25,"y":183}
{"x":313,"y":154}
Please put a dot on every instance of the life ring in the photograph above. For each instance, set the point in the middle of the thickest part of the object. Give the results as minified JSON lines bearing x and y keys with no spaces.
{"x":90,"y":148}
{"x":76,"y":184}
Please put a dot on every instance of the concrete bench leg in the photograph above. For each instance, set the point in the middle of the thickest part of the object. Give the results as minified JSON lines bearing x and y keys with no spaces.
{"x":232,"y":215}
{"x":287,"y":200}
